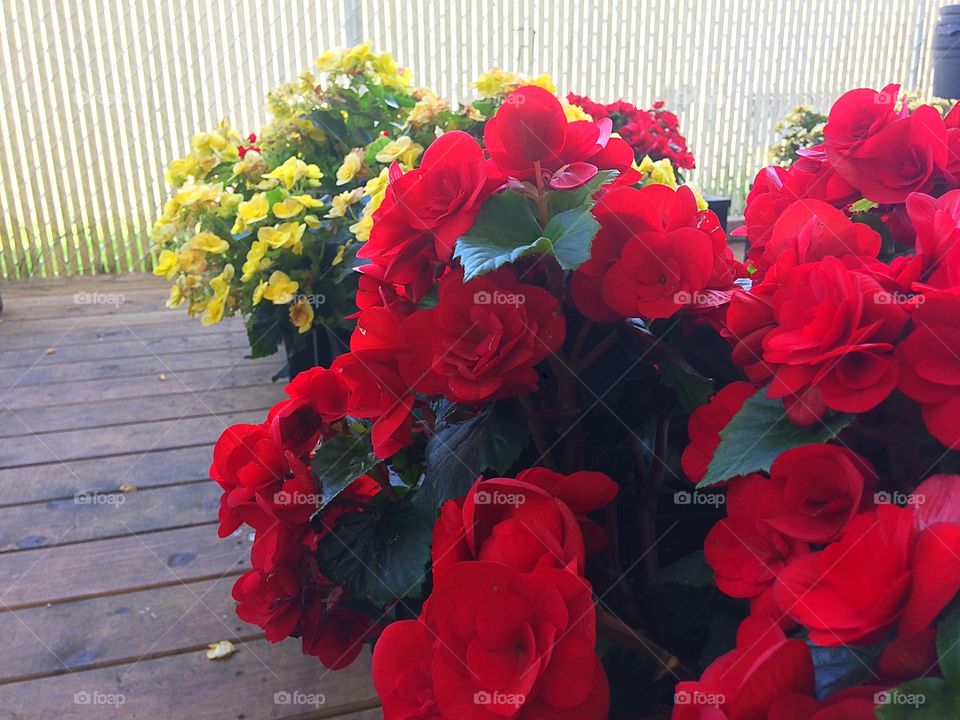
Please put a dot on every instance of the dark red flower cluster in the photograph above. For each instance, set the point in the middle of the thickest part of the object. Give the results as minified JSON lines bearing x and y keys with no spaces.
{"x":510,"y":627}
{"x":268,"y":484}
{"x":828,"y":324}
{"x":654,"y":132}
{"x":810,"y":543}
{"x":656,"y":253}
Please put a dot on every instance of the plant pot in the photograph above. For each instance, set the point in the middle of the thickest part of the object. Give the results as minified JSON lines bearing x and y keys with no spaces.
{"x":721,"y":206}
{"x":319,"y":346}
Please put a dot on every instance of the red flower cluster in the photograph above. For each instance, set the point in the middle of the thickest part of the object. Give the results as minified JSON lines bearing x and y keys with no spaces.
{"x":828,"y":324}
{"x":267,"y":483}
{"x":879,"y":567}
{"x":653,"y":132}
{"x":510,"y":627}
{"x":655,"y":254}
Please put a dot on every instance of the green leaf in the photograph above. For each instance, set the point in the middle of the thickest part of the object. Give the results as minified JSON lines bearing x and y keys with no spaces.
{"x":263,"y":332}
{"x":863,"y":205}
{"x":504,"y":231}
{"x":458,"y":453}
{"x":375,"y":147}
{"x":339,"y":461}
{"x":948,"y":647}
{"x":381,"y":556}
{"x":691,"y":570}
{"x":571,"y":234}
{"x":692,"y":388}
{"x":756,"y":436}
{"x":923,"y":699}
{"x":841,"y":667}
{"x":561,"y":200}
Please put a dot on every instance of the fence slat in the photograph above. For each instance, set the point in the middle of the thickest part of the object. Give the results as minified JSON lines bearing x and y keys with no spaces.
{"x":97,"y":98}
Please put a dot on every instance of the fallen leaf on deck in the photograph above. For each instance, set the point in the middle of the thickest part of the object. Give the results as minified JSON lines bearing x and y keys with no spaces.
{"x":127,"y":488}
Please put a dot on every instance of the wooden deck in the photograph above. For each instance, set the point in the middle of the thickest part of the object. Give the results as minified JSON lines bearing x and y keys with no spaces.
{"x":108,"y":599}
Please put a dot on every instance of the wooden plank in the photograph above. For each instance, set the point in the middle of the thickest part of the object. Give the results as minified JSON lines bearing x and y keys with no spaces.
{"x":103,"y":567}
{"x":115,"y":629}
{"x":190,"y":687}
{"x":242,"y":374}
{"x":58,"y":481}
{"x":132,"y":439}
{"x":94,"y":517}
{"x":45,"y":420}
{"x":113,"y":367}
{"x":14,"y":325}
{"x":42,"y":339}
{"x":161,"y":346}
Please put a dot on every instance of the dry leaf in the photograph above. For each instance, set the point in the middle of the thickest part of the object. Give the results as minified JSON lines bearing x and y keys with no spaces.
{"x":163,"y":376}
{"x":127,"y":488}
{"x":51,"y":351}
{"x":220,"y":650}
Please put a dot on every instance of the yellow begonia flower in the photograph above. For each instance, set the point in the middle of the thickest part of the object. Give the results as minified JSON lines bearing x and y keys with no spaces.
{"x":253,"y":210}
{"x":214,"y":313}
{"x":167,"y":264}
{"x":494,"y":82}
{"x":191,"y":260}
{"x":308,"y":201}
{"x":352,"y":164}
{"x":301,"y":315}
{"x":221,"y":283}
{"x":280,"y":288}
{"x":428,"y":107}
{"x":255,"y":262}
{"x":286,"y":235}
{"x":544,"y":80}
{"x":339,"y":256}
{"x":311,"y":221}
{"x":342,"y":201}
{"x":293,"y":171}
{"x":378,"y":184}
{"x":208,"y":242}
{"x":658,"y":172}
{"x":702,"y":203}
{"x":191,"y":194}
{"x":288,"y":208}
{"x":574,"y":112}
{"x":395,"y":149}
{"x":180,"y":169}
{"x":251,"y":164}
{"x":258,"y":292}
{"x":176,"y":297}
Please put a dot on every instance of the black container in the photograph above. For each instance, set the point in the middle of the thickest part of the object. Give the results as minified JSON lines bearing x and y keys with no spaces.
{"x":319,"y":346}
{"x":946,"y":53}
{"x":720,"y":206}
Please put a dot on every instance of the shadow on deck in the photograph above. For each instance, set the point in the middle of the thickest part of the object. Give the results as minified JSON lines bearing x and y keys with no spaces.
{"x":108,"y":599}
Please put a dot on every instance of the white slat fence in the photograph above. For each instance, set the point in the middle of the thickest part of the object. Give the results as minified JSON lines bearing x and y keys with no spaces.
{"x":97,"y":96}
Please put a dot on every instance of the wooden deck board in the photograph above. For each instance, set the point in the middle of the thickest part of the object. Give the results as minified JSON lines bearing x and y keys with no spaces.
{"x":106,"y":599}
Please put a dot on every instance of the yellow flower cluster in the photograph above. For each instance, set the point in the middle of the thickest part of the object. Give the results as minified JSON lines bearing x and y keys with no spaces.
{"x":498,"y":82}
{"x":381,"y":67}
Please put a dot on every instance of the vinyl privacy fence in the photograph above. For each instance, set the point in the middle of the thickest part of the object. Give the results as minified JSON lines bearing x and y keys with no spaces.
{"x":98,"y":95}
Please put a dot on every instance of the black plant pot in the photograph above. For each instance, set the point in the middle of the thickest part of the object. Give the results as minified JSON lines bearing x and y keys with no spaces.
{"x":319,"y":346}
{"x":721,"y":206}
{"x":946,"y":53}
